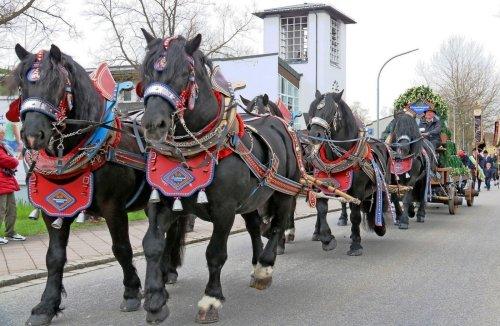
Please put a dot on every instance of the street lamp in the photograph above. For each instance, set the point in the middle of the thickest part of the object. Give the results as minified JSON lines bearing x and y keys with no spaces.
{"x":378,"y":86}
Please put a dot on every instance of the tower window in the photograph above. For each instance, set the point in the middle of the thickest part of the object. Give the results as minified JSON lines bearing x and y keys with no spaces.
{"x":334,"y":43}
{"x":293,"y":39}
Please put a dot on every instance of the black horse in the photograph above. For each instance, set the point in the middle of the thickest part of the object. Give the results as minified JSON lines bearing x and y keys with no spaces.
{"x":333,"y":120}
{"x":109,"y":201}
{"x":408,"y":144}
{"x":234,"y":189}
{"x":261,"y":105}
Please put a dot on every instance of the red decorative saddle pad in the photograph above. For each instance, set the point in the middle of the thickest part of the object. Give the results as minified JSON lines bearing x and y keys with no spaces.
{"x":179,"y":179}
{"x":104,"y":81}
{"x":61,"y":198}
{"x":399,"y":167}
{"x":341,"y":180}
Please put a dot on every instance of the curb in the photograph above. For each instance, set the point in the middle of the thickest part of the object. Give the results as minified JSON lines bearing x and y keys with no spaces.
{"x":39,"y":273}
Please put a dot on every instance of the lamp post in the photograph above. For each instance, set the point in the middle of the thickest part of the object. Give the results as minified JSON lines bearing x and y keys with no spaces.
{"x":378,"y":86}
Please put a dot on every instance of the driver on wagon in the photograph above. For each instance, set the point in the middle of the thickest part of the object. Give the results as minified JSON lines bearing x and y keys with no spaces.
{"x":430,"y":127}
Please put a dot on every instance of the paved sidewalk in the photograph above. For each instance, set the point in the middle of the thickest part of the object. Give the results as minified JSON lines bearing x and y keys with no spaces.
{"x":23,"y":261}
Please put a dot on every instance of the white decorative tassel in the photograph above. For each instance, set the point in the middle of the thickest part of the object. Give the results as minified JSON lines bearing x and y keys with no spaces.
{"x":177,"y":205}
{"x":80,"y":218}
{"x":155,"y":196}
{"x":57,"y":224}
{"x":34,"y":214}
{"x":202,"y":197}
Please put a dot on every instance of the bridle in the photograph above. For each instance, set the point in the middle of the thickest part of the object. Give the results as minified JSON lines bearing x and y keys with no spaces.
{"x":35,"y":104}
{"x":187,"y":98}
{"x":322,"y":122}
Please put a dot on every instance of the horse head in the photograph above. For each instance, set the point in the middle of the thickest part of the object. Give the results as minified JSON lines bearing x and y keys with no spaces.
{"x":404,"y":134}
{"x":176,"y":87}
{"x":52,"y":88}
{"x":330,"y":118}
{"x":260,"y":104}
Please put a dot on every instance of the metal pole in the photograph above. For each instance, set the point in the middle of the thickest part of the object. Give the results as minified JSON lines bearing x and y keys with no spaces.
{"x":378,"y":86}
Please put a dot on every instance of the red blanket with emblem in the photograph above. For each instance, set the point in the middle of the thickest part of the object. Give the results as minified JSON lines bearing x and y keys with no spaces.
{"x":61,"y":198}
{"x":341,"y":180}
{"x":400,"y":166}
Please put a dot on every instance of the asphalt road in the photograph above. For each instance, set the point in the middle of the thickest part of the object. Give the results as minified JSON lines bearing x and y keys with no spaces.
{"x":445,"y":271}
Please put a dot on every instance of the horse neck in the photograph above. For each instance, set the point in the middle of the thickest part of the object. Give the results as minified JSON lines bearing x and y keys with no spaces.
{"x":87,"y":105}
{"x":205,"y":109}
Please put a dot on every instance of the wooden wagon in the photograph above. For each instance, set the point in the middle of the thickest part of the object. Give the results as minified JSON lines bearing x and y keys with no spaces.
{"x":444,"y":191}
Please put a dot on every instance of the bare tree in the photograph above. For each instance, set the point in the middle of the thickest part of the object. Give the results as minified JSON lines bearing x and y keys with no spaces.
{"x":31,"y":21}
{"x":467,"y":78}
{"x":222,"y":27}
{"x":360,"y":112}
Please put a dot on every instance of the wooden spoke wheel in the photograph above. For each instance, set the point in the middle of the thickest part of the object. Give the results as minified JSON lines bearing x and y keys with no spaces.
{"x":452,"y":203}
{"x":469,"y":197}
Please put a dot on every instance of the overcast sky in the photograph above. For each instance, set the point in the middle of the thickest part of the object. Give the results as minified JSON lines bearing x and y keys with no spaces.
{"x":384,"y":28}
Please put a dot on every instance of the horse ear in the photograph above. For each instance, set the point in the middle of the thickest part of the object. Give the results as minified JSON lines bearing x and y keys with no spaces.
{"x":338,"y":96}
{"x":244,"y":100}
{"x":149,"y":38}
{"x":21,"y":52}
{"x":55,"y":53}
{"x":265,"y":99}
{"x":318,"y":95}
{"x":193,"y":44}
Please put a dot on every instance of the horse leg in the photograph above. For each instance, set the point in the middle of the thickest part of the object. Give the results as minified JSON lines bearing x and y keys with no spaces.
{"x":290,"y":230}
{"x":122,"y":250}
{"x":216,"y":254}
{"x":407,"y":207}
{"x":355,"y":249}
{"x":282,"y":206}
{"x":421,"y":206}
{"x":328,"y":241}
{"x":315,"y":236}
{"x":397,"y":208}
{"x":172,"y":255}
{"x":155,"y":294}
{"x":252,"y":222}
{"x":343,"y":216}
{"x":48,"y":307}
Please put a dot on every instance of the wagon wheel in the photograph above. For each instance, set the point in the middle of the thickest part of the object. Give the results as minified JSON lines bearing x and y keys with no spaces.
{"x":452,"y":207}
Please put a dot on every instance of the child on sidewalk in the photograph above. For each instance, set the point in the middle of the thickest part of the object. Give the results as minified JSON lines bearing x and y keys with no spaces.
{"x":489,"y":172}
{"x":8,"y":185}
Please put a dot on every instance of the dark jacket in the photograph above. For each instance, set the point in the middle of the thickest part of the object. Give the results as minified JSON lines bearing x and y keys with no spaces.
{"x":481,"y":161}
{"x":388,"y":130}
{"x":433,"y":129}
{"x":489,"y":173}
{"x":467,"y":162}
{"x":8,"y":183}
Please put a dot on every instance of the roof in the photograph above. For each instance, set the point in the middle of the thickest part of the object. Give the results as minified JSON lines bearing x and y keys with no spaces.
{"x":305,"y":8}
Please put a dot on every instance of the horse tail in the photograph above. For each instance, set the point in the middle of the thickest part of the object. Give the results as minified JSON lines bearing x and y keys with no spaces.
{"x":176,"y":240}
{"x":369,"y":216}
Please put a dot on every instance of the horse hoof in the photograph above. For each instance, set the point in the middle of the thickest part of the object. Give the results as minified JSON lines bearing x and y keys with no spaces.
{"x":290,"y":238}
{"x":330,"y":245}
{"x":261,"y":283}
{"x":207,"y":316}
{"x":355,"y":252}
{"x":315,"y":237}
{"x":403,"y":226}
{"x":39,"y":320}
{"x":280,"y":250}
{"x":158,"y":316}
{"x":420,"y":219}
{"x":342,"y":222}
{"x":171,"y":278}
{"x":132,"y":304}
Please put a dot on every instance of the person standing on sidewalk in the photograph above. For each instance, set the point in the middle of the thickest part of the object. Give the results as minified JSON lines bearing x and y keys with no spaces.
{"x":489,"y":174}
{"x":8,"y":185}
{"x":13,"y":137}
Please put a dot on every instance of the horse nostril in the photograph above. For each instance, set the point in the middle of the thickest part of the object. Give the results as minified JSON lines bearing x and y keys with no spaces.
{"x":162,"y":124}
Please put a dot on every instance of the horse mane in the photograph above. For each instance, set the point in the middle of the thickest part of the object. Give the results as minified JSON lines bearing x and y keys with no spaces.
{"x":87,"y":103}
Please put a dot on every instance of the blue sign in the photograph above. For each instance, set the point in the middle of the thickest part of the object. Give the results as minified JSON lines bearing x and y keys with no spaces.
{"x":419,"y":107}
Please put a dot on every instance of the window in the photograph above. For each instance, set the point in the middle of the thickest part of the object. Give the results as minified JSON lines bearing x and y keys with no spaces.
{"x":293,"y":39}
{"x":334,"y":43}
{"x":126,"y":96}
{"x":289,"y":94}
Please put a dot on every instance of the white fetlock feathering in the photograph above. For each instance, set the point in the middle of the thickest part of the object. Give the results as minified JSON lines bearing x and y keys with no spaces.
{"x":289,"y":231}
{"x":34,"y":214}
{"x":207,"y":301}
{"x":155,"y":196}
{"x":57,"y":224}
{"x":80,"y":218}
{"x":261,"y":272}
{"x":202,"y":197}
{"x":177,"y":207}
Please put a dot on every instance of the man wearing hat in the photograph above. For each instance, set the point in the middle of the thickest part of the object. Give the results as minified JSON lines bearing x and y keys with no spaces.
{"x":430,"y":127}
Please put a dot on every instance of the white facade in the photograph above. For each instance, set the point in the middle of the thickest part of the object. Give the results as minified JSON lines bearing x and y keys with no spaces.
{"x":317,"y":72}
{"x":260,"y":73}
